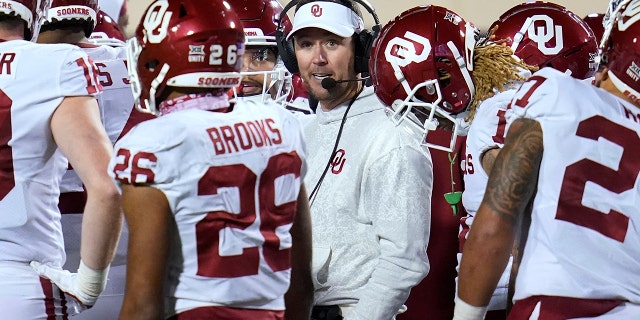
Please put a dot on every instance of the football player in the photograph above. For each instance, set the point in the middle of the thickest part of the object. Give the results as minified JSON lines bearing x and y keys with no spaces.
{"x":212,"y":194}
{"x":50,"y":119}
{"x":515,"y":50}
{"x":73,"y":22}
{"x":263,"y":73}
{"x":422,"y":70}
{"x":570,"y":151}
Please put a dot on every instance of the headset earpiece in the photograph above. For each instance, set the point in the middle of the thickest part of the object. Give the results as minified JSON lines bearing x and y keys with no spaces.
{"x":287,"y":51}
{"x":364,"y":41}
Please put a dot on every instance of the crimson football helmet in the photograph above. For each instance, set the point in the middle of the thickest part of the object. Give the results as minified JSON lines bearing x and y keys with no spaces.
{"x":620,"y":51}
{"x":594,"y":21}
{"x":107,"y":32}
{"x":73,"y":11}
{"x":260,"y":21}
{"x":184,"y":43}
{"x":421,"y":67}
{"x":33,"y":12}
{"x":545,"y":34}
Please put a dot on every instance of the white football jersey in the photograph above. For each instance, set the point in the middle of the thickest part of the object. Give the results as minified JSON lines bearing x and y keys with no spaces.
{"x":232,"y":180}
{"x":583,"y":241}
{"x":118,"y":114}
{"x":116,"y":102}
{"x":486,"y":132}
{"x":34,"y":79}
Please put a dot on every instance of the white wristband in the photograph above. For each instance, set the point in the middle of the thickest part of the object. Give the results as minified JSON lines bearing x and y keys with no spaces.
{"x":91,"y":282}
{"x":465,"y":311}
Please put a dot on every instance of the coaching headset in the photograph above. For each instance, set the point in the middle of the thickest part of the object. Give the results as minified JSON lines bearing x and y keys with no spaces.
{"x":364,"y":40}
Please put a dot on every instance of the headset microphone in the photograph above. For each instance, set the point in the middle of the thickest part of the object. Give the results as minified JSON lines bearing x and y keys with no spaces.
{"x":330,"y":83}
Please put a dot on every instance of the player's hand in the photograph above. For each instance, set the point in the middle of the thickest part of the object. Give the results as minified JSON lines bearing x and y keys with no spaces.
{"x":84,"y":286}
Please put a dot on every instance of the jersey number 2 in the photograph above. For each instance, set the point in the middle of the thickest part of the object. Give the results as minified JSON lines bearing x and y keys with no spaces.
{"x":612,"y":224}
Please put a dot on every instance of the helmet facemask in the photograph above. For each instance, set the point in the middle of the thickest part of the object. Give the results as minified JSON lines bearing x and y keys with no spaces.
{"x":276,"y":83}
{"x":133,"y":52}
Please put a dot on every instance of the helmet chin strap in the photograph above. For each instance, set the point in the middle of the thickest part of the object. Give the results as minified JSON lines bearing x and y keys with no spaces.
{"x":463,"y":67}
{"x":154,"y":87}
{"x":517,"y":38}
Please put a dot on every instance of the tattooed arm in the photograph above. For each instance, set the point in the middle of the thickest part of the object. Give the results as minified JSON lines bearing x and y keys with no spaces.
{"x":489,"y":158}
{"x":511,"y":185}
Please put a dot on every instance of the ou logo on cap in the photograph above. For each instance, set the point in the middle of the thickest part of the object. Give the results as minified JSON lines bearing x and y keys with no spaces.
{"x":542,"y":34}
{"x":316,"y":10}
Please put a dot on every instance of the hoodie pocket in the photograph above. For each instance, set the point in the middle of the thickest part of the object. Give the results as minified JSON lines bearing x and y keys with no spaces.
{"x":320,"y":265}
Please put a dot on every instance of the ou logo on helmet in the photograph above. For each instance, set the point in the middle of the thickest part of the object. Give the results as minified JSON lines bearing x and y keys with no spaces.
{"x":156,"y":21}
{"x":400,"y":52}
{"x":543,"y":34}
